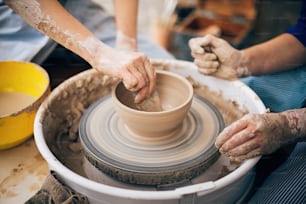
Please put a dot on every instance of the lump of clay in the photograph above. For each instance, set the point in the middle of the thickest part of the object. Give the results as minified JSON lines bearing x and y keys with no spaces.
{"x":151,"y":104}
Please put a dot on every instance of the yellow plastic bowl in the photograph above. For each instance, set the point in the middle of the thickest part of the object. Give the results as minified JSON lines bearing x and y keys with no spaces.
{"x":20,"y":78}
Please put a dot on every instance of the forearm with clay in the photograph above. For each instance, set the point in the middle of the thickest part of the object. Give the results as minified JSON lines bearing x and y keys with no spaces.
{"x":124,"y":42}
{"x":47,"y":16}
{"x":259,"y":134}
{"x":215,"y":56}
{"x":296,"y":120}
{"x":126,"y":22}
{"x":281,"y":53}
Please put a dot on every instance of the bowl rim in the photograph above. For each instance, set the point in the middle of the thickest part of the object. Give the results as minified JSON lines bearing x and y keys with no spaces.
{"x":159,"y":113}
{"x":34,"y":105}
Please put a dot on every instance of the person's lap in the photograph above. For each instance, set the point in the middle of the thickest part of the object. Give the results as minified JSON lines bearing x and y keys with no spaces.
{"x":287,"y":184}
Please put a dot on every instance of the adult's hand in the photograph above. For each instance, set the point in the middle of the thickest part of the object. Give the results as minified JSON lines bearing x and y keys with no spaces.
{"x":259,"y":134}
{"x":134,"y":68}
{"x":215,"y":56}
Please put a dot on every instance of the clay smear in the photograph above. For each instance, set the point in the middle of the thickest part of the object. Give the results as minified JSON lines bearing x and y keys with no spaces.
{"x":125,"y":42}
{"x":229,"y":109}
{"x":296,"y":121}
{"x":151,"y":104}
{"x":44,"y":20}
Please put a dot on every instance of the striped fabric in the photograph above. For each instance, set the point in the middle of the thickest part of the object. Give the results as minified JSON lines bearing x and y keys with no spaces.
{"x":280,"y":92}
{"x":287,"y":184}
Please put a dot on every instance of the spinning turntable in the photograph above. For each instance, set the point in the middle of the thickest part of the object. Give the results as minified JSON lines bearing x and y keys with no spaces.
{"x":110,"y":147}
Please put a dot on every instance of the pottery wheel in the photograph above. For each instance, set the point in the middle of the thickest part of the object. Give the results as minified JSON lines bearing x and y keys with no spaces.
{"x":161,"y":160}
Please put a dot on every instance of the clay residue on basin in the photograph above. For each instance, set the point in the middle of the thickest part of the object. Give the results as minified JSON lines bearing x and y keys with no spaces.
{"x":67,"y":103}
{"x":229,"y":109}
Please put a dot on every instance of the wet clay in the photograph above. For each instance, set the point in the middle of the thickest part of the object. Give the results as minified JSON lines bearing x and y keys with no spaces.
{"x":162,"y":159}
{"x":230,"y":110}
{"x":151,"y":104}
{"x":12,"y":102}
{"x":175,"y":97}
{"x":65,"y":107}
{"x":24,"y":172}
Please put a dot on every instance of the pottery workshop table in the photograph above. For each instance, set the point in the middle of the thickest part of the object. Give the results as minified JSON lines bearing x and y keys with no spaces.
{"x":22,"y":172}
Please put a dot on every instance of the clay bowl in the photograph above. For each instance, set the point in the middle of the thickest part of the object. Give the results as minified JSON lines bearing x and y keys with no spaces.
{"x":175,"y":95}
{"x":23,"y":87}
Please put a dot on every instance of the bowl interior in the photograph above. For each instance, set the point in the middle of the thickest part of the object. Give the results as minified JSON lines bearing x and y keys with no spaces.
{"x":23,"y":77}
{"x":173,"y":91}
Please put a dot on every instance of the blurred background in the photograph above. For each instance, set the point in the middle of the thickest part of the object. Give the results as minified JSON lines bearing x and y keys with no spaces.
{"x":242,"y":22}
{"x":171,"y":23}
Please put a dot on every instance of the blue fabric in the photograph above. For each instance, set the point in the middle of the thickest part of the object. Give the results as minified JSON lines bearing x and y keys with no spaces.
{"x":280,"y":91}
{"x":287,"y":184}
{"x":299,"y":30}
{"x":284,"y":90}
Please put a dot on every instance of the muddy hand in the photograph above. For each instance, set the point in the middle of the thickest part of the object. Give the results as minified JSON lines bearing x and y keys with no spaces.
{"x":255,"y":135}
{"x":133,"y":68}
{"x":214,"y":56}
{"x":126,"y":43}
{"x":138,"y":75}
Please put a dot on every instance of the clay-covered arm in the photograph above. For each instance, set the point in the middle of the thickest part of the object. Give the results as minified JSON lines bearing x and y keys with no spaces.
{"x":215,"y":56}
{"x":49,"y":17}
{"x":126,"y":21}
{"x":259,"y":134}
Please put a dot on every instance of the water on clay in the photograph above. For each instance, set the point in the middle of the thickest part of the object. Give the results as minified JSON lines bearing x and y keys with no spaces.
{"x":151,"y":104}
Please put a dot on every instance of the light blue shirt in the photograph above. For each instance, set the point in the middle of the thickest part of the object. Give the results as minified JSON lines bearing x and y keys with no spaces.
{"x":18,"y":40}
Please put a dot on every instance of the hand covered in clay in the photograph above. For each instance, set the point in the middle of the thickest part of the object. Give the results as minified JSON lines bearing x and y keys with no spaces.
{"x":135,"y":70}
{"x":215,"y":56}
{"x":255,"y":134}
{"x":129,"y":44}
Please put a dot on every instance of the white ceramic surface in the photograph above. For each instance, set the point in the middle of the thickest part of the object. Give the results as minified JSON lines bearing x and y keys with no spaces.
{"x":227,"y":189}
